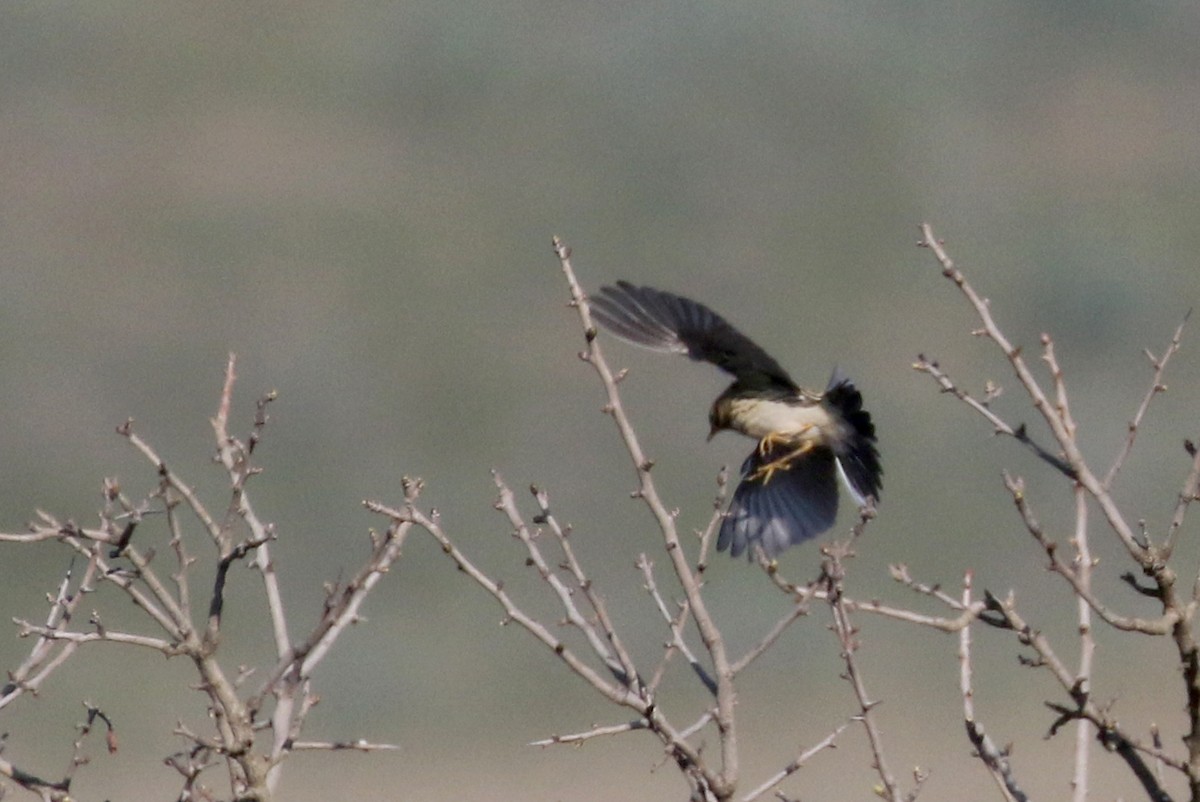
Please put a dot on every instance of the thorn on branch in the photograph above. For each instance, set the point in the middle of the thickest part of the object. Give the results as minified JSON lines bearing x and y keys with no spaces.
{"x":1079,"y":691}
{"x":1151,"y":592}
{"x":994,"y":613}
{"x":1065,"y":716}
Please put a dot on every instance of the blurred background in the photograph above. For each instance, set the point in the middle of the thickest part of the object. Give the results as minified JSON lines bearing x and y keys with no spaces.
{"x":358,"y":201}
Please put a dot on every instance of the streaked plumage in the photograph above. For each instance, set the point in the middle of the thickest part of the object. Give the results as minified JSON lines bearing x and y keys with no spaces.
{"x":788,"y":490}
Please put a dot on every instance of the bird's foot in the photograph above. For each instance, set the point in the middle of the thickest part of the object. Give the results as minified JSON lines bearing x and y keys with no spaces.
{"x":767,"y":470}
{"x":772,"y":439}
{"x":768,"y":443}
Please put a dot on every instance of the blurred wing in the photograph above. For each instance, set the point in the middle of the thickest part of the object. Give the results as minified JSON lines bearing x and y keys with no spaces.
{"x":665,"y":322}
{"x":794,"y":505}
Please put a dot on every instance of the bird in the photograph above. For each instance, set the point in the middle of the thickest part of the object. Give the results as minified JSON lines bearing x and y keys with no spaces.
{"x":807,"y":441}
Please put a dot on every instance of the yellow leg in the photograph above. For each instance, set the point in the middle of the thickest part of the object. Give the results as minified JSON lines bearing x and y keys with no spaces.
{"x":768,"y":443}
{"x":765,"y":472}
{"x":772,"y":439}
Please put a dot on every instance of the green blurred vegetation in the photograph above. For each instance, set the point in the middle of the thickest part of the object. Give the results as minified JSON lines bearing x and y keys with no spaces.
{"x":359,"y":199}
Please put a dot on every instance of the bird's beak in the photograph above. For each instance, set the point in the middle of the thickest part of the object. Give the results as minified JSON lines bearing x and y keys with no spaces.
{"x":712,"y":433}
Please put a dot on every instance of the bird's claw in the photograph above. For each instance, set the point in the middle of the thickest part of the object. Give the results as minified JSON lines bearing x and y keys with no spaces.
{"x":766,"y":471}
{"x":768,"y":443}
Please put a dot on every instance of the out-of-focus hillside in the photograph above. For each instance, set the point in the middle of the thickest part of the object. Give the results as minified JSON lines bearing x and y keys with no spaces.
{"x":359,"y":202}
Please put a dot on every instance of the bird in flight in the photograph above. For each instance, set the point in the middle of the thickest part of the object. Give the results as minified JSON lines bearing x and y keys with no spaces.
{"x":806,"y":440}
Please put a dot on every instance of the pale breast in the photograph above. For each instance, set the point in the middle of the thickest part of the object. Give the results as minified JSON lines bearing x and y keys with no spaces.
{"x":805,"y":422}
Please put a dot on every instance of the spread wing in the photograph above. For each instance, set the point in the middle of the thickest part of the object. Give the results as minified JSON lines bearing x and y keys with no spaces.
{"x":792,"y":506}
{"x":666,"y":322}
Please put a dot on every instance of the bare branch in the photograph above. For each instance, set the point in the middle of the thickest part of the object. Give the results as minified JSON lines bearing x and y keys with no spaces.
{"x":709,"y":633}
{"x":798,"y":611}
{"x":619,"y":663}
{"x":1156,"y":386}
{"x":47,"y":653}
{"x":828,"y":742}
{"x":1084,"y":603}
{"x":1187,"y":494}
{"x":342,"y":746}
{"x":847,"y":636}
{"x":1074,"y":575}
{"x":595,"y":732}
{"x":986,"y":750}
{"x":430,"y":523}
{"x":675,"y":623}
{"x":603,"y":633}
{"x":1062,"y":432}
{"x":999,"y":425}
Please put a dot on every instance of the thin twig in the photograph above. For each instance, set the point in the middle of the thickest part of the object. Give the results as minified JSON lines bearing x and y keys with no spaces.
{"x":615,"y":658}
{"x":595,"y":732}
{"x":1084,"y":604}
{"x":797,"y":763}
{"x":1074,"y":466}
{"x":847,"y":637}
{"x":603,"y":632}
{"x":1079,"y":582}
{"x":993,"y":758}
{"x":1156,"y":386}
{"x":999,"y":425}
{"x":675,"y":624}
{"x":1108,"y":732}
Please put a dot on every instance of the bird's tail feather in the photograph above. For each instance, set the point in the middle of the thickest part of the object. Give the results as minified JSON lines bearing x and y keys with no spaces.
{"x":857,"y":456}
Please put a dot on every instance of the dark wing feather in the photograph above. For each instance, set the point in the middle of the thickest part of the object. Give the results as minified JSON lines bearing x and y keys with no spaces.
{"x":792,"y":506}
{"x":666,"y":322}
